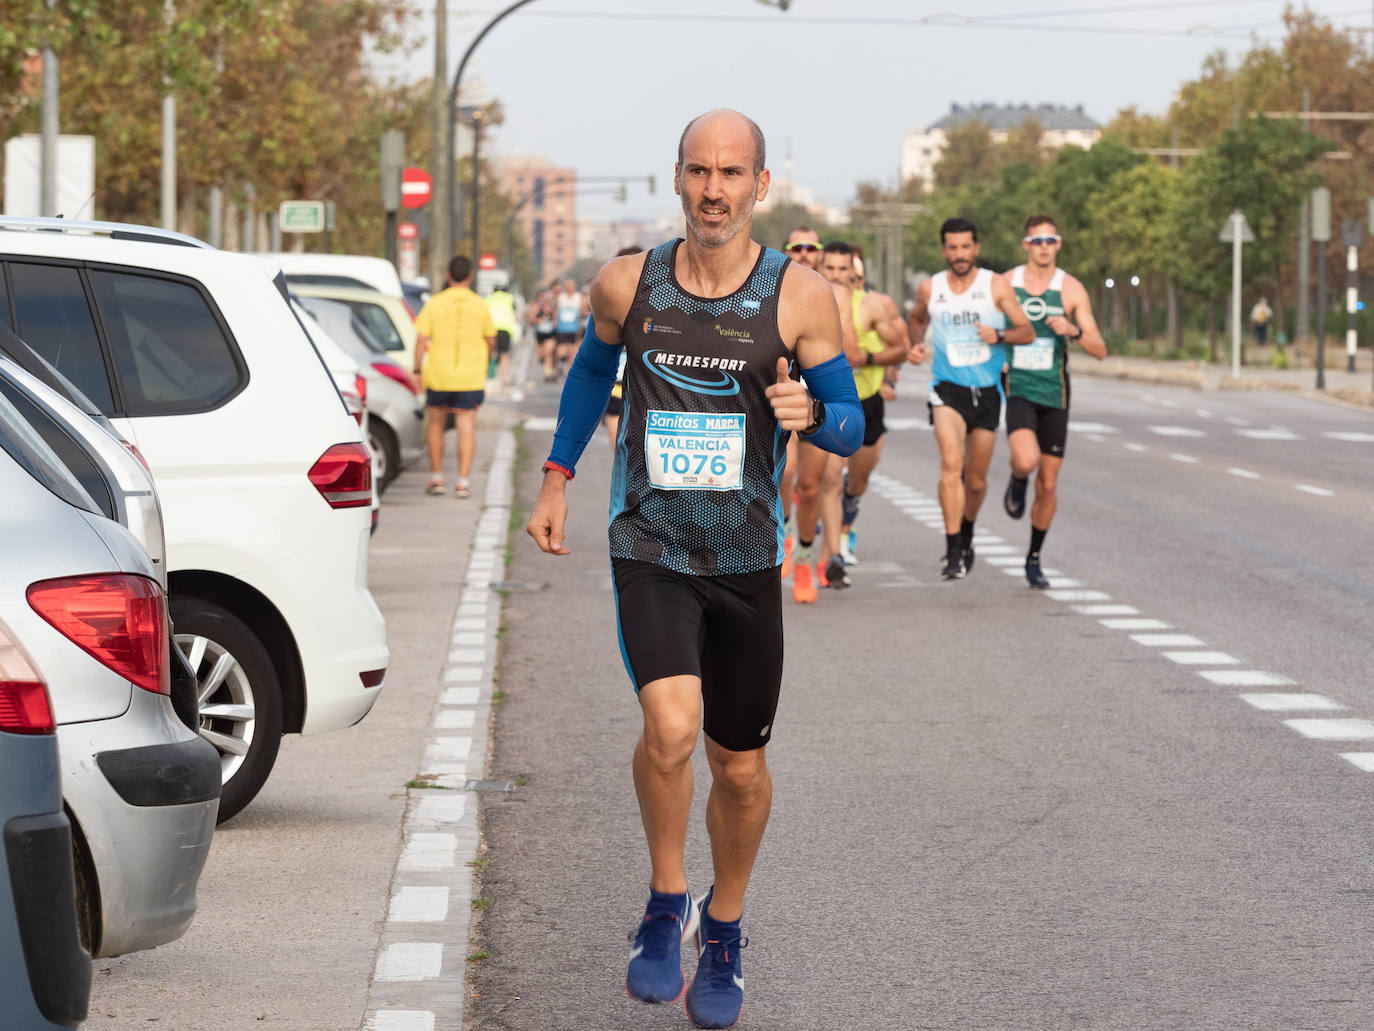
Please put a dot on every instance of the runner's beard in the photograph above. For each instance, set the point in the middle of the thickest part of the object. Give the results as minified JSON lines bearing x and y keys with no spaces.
{"x":719,"y":235}
{"x":960,"y":268}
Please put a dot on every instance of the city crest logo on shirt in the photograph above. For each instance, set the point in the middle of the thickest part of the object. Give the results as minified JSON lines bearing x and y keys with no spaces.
{"x":648,"y":326}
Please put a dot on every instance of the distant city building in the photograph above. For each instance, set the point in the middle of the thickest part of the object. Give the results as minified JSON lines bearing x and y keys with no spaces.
{"x":548,"y":214}
{"x":1063,"y":126}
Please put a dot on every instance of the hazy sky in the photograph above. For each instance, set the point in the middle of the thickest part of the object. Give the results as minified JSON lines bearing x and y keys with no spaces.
{"x":606,"y":86}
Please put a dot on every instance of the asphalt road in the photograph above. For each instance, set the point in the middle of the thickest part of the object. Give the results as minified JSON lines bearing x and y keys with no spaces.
{"x":992,"y":809}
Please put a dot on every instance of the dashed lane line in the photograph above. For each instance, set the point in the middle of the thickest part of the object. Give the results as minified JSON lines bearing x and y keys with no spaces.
{"x":1275,"y":701}
{"x":1308,"y":488}
{"x":1244,"y":474}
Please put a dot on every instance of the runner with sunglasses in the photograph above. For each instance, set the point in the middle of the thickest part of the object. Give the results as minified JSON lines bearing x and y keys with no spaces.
{"x":1038,"y":379}
{"x":966,"y":308}
{"x":804,"y":247}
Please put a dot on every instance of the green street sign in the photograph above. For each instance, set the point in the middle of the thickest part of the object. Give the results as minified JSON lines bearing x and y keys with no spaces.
{"x":301,"y":216}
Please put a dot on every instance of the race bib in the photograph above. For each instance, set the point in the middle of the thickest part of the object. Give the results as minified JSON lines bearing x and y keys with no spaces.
{"x":694,"y":450}
{"x":962,"y":353}
{"x":1036,"y":357}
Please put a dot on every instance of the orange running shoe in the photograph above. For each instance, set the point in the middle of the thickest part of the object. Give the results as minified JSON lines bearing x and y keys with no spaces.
{"x":820,"y":575}
{"x":803,"y":587}
{"x":786,"y":557}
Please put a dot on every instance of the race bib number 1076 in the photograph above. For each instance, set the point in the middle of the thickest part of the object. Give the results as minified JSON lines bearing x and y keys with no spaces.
{"x":694,"y":450}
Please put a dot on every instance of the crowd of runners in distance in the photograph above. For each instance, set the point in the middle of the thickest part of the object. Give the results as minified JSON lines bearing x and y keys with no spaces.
{"x":991,"y":337}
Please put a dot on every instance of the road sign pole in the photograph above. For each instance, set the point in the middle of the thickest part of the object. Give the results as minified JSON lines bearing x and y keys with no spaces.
{"x":1236,"y":218}
{"x":1352,"y":293}
{"x":1321,"y":236}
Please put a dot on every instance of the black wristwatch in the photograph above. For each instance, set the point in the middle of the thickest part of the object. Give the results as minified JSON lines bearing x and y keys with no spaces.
{"x":817,"y":416}
{"x":1001,"y":336}
{"x":1077,"y":334}
{"x":868,"y":357}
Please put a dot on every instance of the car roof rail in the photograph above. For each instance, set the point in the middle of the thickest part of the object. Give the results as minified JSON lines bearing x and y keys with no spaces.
{"x":114,"y":230}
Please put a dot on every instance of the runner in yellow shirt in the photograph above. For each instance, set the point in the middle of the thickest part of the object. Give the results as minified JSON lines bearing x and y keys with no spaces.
{"x":455,"y":337}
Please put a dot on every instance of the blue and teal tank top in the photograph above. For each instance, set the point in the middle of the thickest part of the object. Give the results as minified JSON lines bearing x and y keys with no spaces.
{"x":960,"y":355}
{"x":699,"y":454}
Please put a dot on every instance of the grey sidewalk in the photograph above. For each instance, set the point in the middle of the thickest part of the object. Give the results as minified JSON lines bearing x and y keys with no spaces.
{"x":1350,"y":387}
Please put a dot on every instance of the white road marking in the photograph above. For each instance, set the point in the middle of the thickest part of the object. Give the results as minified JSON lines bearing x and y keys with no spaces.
{"x":1320,"y":492}
{"x":1176,"y":431}
{"x":448,"y":749}
{"x":1334,"y":730}
{"x":1096,"y":438}
{"x":1202,"y":658}
{"x":1003,"y":560}
{"x":1202,"y":413}
{"x":1168,"y":403}
{"x":454,"y":719}
{"x":1136,"y":447}
{"x":1244,"y":474}
{"x":1166,"y":640}
{"x":417,"y":905}
{"x":1353,"y":438}
{"x":467,"y":655}
{"x":541,"y":425}
{"x":459,"y":696}
{"x":439,"y":808}
{"x":470,"y":624}
{"x":1135,"y":624}
{"x":410,"y":961}
{"x":1236,"y":420}
{"x":1077,"y":595}
{"x":1273,"y":433}
{"x":1183,"y":458}
{"x":1361,"y":760}
{"x":1090,"y":427}
{"x":1273,"y":701}
{"x":906,"y":424}
{"x":1107,"y":610}
{"x":460,"y":674}
{"x":1062,"y":581}
{"x":1244,"y":678}
{"x":401,"y":1020}
{"x":469,"y":639}
{"x":427,"y":852}
{"x":994,"y":549}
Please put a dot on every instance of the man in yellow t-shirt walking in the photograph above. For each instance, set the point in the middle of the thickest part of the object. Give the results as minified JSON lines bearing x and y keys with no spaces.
{"x":455,"y":337}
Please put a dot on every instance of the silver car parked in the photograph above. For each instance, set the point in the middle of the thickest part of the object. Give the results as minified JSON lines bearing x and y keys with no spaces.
{"x":140,"y":788}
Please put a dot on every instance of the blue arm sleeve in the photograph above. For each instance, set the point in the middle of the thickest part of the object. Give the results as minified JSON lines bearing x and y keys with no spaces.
{"x":832,"y":382}
{"x":585,"y":393}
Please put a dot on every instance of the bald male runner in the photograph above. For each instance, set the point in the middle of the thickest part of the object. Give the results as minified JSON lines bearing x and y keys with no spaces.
{"x":715,"y":328}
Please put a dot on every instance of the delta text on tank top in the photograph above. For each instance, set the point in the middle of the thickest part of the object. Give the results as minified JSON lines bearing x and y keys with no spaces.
{"x":868,"y":379}
{"x":961,"y":356}
{"x":1040,"y":371}
{"x":699,"y":455}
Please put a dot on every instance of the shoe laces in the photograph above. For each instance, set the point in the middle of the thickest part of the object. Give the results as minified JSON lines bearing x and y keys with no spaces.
{"x":720,"y":957}
{"x":658,"y":931}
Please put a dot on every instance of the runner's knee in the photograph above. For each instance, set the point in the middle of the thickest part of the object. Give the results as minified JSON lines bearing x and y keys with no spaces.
{"x":740,"y":773}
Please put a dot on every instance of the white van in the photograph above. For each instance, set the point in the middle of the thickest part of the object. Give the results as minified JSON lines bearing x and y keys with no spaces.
{"x":265,"y":481}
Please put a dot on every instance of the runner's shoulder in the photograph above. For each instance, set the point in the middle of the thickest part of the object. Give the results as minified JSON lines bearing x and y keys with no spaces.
{"x":803,"y":286}
{"x":616,"y":282}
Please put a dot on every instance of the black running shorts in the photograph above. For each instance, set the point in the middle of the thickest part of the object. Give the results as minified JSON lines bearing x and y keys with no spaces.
{"x":725,"y":629}
{"x":568,"y":337}
{"x":502,"y":341}
{"x":981,"y":407}
{"x":1050,"y":425}
{"x":873,"y":419}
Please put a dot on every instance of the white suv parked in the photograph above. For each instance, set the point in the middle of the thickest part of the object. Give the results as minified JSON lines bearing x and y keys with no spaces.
{"x":265,"y":481}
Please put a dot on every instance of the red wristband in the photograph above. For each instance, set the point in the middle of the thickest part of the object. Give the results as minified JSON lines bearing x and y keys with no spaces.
{"x":551,"y":465}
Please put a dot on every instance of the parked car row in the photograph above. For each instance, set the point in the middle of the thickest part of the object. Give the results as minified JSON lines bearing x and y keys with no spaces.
{"x":183,"y":574}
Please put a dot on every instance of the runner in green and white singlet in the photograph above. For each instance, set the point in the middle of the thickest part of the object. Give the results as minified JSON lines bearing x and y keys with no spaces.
{"x":1038,"y":379}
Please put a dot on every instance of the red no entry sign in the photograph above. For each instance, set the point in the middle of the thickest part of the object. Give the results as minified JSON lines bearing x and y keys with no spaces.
{"x":408,"y":231}
{"x":487,"y":261}
{"x":416,"y":187}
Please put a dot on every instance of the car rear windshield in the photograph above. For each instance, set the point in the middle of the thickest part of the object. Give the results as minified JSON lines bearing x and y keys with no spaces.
{"x":22,"y":443}
{"x":377,"y":322}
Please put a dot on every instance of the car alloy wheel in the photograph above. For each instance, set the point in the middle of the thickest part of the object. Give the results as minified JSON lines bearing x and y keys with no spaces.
{"x":228,"y":714}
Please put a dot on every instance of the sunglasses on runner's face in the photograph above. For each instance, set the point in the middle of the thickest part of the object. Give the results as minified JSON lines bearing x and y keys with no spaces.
{"x":805,"y":247}
{"x":1042,"y":241}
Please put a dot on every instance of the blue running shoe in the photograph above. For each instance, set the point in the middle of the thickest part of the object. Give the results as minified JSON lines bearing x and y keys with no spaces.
{"x":655,"y":973}
{"x":717,"y":991}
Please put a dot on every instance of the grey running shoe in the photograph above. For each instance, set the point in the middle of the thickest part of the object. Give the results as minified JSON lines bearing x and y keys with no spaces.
{"x":835,"y":575}
{"x":967,"y":556}
{"x":954,"y":568}
{"x":1034,"y":576}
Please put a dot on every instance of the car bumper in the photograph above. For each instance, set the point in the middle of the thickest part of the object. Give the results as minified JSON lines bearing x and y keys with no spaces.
{"x":146,"y":809}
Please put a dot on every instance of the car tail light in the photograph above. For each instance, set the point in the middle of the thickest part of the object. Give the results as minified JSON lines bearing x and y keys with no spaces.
{"x":393,"y":371}
{"x":24,"y":706}
{"x":118,"y":618}
{"x":360,"y":386}
{"x":133,"y":449}
{"x":373,"y":677}
{"x":343,"y":476}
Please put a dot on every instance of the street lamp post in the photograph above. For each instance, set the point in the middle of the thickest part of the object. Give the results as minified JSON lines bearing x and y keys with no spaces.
{"x":445,"y":234}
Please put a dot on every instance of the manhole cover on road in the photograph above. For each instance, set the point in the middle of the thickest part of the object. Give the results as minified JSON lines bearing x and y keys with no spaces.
{"x":489,"y":785}
{"x":516,"y":585}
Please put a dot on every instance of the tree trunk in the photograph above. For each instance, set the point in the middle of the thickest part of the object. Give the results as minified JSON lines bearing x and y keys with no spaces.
{"x":1212,"y":331}
{"x":1174,"y":327}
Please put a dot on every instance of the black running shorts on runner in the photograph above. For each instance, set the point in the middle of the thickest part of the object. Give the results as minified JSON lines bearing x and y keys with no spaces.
{"x":1051,"y":425}
{"x":981,"y":407}
{"x":503,"y":341}
{"x":873,"y":419}
{"x":725,"y":629}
